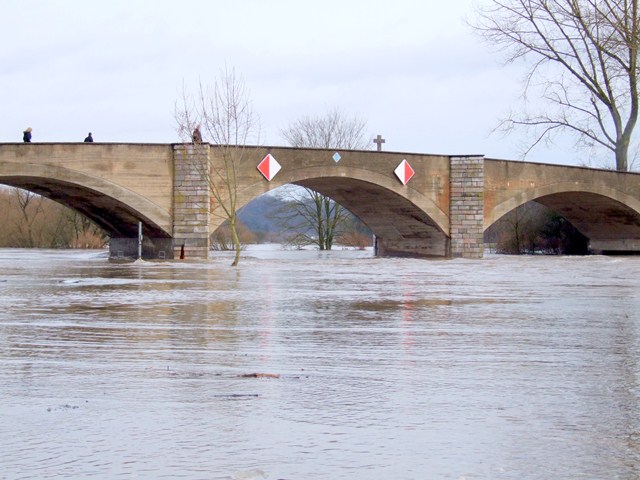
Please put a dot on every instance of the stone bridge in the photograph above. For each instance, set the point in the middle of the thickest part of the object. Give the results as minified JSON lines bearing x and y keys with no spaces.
{"x":441,"y":211}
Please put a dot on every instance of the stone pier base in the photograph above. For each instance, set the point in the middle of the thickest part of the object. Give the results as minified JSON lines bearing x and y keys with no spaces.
{"x":615,"y":246}
{"x":152,"y":248}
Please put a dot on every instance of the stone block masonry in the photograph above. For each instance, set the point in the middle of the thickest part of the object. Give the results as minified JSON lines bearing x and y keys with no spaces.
{"x":466,"y":214}
{"x":191,"y":201}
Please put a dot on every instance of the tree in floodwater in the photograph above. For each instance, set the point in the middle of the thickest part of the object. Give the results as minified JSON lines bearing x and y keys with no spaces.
{"x":534,"y":229}
{"x":317,"y":218}
{"x":583,"y":64}
{"x":223,"y":115}
{"x":30,"y":208}
{"x":310,"y":218}
{"x":33,"y":221}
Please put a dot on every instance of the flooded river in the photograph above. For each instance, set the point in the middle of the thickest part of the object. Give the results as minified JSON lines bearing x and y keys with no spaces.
{"x":308,"y":365}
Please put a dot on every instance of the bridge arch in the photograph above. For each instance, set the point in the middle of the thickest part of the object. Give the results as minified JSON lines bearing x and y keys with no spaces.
{"x":407,"y":220}
{"x":608,"y":217}
{"x":558,"y":188}
{"x":113,"y":208}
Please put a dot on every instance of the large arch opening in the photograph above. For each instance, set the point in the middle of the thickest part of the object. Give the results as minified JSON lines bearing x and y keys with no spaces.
{"x":611,"y":226}
{"x":119,"y":221}
{"x":115,"y":217}
{"x":401,"y":226}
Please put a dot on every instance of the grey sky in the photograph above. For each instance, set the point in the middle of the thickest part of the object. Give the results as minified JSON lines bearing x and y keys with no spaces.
{"x":411,"y":68}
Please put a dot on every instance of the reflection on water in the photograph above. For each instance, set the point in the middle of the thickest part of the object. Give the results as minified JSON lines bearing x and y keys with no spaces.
{"x":503,"y":368}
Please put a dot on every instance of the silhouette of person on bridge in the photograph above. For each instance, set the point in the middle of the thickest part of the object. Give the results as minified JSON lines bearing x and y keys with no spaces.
{"x":26,"y":135}
{"x":89,"y":138}
{"x":197,"y":136}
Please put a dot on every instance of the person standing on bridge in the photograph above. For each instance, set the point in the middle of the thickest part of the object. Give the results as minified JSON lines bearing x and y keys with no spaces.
{"x":89,"y":138}
{"x":197,"y":136}
{"x":26,"y":135}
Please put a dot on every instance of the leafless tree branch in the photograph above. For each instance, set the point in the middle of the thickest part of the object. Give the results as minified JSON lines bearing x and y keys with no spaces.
{"x":223,"y":115}
{"x":583,"y":57}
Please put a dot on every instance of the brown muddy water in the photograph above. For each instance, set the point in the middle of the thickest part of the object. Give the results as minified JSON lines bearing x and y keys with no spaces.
{"x":501,"y":368}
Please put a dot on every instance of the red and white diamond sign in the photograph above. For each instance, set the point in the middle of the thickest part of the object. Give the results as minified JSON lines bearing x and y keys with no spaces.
{"x":404,"y":172}
{"x":269,"y":167}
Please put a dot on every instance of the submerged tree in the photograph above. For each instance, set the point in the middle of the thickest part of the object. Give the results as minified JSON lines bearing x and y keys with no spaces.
{"x":32,"y":221}
{"x":533,"y":228}
{"x":583,"y":61}
{"x":30,"y":206}
{"x":314,"y":219}
{"x":221,"y":114}
{"x":317,"y":216}
{"x":517,"y":232}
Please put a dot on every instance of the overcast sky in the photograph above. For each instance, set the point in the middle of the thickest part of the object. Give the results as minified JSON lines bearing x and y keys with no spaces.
{"x":411,"y":68}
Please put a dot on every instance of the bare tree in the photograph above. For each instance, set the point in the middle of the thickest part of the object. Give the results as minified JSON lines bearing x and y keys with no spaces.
{"x":33,"y":221}
{"x":313,"y":211}
{"x":519,"y":234}
{"x":332,"y":130}
{"x":583,"y":61}
{"x":80,"y":232}
{"x":223,"y":115}
{"x":30,"y":207}
{"x":313,"y":218}
{"x":533,"y":228}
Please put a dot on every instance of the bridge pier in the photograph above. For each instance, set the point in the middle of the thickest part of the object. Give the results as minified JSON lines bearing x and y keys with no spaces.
{"x":417,"y":237}
{"x":191,"y":201}
{"x":431,"y":246}
{"x":152,"y":248}
{"x":466,"y":214}
{"x":615,"y":246}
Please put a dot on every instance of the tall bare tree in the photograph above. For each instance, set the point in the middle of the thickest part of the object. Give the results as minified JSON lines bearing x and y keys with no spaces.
{"x":312,"y":210}
{"x":224,"y":116}
{"x":331,"y":130}
{"x":582,"y":59}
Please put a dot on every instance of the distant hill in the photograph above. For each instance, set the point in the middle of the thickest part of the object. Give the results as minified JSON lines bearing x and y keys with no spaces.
{"x":259,"y":215}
